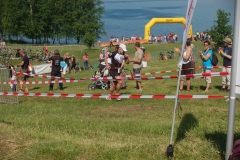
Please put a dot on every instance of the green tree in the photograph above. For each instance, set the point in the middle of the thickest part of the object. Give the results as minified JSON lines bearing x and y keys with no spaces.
{"x":1,"y":19}
{"x":44,"y":18}
{"x":88,"y":20}
{"x":65,"y":18}
{"x":12,"y":18}
{"x":39,"y":20}
{"x":221,"y":29}
{"x":89,"y":39}
{"x":36,"y":20}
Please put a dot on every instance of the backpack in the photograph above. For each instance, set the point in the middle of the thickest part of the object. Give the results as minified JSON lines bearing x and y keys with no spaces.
{"x":214,"y":59}
{"x":235,"y":155}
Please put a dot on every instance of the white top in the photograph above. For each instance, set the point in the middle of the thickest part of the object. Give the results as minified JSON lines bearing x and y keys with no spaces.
{"x":186,"y":61}
{"x":109,"y":61}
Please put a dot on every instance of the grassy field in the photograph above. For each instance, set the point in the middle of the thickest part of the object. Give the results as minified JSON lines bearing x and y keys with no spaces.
{"x":132,"y":129}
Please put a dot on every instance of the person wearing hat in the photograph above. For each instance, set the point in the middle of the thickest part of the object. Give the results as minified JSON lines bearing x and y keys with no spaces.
{"x":137,"y":64}
{"x":24,"y":69}
{"x":115,"y":69}
{"x":56,"y":68}
{"x":226,"y":53}
{"x":143,"y":49}
{"x":102,"y":56}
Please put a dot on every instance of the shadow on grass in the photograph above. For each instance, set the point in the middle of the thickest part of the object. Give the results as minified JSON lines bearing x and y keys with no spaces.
{"x":188,"y":122}
{"x":35,"y":88}
{"x":184,"y":87}
{"x":6,"y":122}
{"x":201,"y":87}
{"x":218,"y":87}
{"x":219,"y":140}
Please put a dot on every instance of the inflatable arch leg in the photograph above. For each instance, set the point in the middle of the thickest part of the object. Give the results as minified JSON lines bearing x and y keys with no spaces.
{"x":154,"y":21}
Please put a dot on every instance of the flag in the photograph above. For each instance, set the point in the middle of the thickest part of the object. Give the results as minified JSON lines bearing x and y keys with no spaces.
{"x":189,"y":15}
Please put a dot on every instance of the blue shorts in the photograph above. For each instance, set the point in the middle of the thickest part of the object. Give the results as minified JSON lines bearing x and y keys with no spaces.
{"x":136,"y":71}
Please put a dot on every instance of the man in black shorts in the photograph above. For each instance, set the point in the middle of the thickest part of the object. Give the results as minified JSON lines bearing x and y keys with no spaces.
{"x":24,"y":65}
{"x":56,"y":68}
{"x":116,"y":68}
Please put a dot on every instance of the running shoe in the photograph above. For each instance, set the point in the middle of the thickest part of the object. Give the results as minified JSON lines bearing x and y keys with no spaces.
{"x":118,"y":99}
{"x":108,"y":98}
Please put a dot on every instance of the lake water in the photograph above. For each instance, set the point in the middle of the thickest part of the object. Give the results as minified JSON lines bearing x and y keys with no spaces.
{"x":129,"y":17}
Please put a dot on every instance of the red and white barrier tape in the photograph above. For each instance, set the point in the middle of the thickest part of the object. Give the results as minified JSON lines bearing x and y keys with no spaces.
{"x":212,"y":74}
{"x":44,"y":82}
{"x":112,"y":96}
{"x":165,"y":71}
{"x":131,"y":75}
{"x":41,"y":76}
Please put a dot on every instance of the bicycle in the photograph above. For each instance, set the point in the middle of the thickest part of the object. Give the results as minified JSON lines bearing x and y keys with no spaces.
{"x":5,"y":60}
{"x":170,"y":54}
{"x":161,"y":56}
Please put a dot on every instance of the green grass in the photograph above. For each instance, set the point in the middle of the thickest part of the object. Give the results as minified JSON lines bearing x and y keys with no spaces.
{"x":71,"y":128}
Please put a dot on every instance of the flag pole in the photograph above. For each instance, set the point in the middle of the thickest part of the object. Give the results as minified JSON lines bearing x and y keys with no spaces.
{"x":232,"y":99}
{"x":189,"y":15}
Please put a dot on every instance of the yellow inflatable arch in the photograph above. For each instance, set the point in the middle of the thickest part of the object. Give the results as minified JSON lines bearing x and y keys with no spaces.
{"x":154,"y":21}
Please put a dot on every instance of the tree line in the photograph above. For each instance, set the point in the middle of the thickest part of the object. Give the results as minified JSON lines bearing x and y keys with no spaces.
{"x":41,"y":20}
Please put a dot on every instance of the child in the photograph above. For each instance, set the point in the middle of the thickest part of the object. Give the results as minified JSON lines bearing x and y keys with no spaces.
{"x":12,"y":76}
{"x":97,"y":74}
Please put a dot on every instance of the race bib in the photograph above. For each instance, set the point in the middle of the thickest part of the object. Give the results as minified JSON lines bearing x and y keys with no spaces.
{"x":119,"y":58}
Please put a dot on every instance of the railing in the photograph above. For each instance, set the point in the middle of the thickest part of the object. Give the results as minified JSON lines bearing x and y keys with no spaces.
{"x":106,"y":44}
